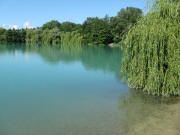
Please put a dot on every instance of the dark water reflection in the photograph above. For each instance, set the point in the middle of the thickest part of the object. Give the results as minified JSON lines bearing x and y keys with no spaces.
{"x":92,"y":57}
{"x":47,"y":90}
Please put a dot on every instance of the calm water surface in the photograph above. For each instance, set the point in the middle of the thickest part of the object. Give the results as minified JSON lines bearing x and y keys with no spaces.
{"x":76,"y":91}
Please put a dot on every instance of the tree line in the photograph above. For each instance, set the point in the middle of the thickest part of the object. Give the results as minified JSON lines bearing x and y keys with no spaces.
{"x":93,"y":30}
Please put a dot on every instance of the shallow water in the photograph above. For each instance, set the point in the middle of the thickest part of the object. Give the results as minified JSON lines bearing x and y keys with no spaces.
{"x":76,"y":91}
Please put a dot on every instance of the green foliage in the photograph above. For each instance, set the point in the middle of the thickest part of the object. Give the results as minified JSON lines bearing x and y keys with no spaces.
{"x":12,"y":36}
{"x":130,"y":14}
{"x":71,"y":39}
{"x":51,"y":36}
{"x":2,"y":35}
{"x":120,"y":23}
{"x":33,"y":36}
{"x":51,"y":25}
{"x":151,"y":59}
{"x":68,"y":27}
{"x":47,"y":37}
{"x":94,"y":30}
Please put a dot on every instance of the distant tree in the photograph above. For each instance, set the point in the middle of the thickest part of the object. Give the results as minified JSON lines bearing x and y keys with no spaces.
{"x":68,"y":27}
{"x":52,"y":24}
{"x":71,"y":39}
{"x":55,"y":36}
{"x":117,"y":26}
{"x":96,"y":31}
{"x":120,"y":23}
{"x":9,"y":34}
{"x":130,"y":14}
{"x":22,"y":36}
{"x":45,"y":37}
{"x":3,"y":36}
{"x":51,"y":36}
{"x":12,"y":35}
{"x":29,"y":34}
{"x":36,"y":37}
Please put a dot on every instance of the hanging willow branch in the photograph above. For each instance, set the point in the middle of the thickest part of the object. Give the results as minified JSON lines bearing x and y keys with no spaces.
{"x":151,"y":59}
{"x":71,"y":39}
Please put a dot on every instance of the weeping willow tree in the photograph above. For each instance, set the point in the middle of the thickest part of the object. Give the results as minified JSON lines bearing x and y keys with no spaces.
{"x":71,"y":43}
{"x":151,"y":59}
{"x":71,"y":39}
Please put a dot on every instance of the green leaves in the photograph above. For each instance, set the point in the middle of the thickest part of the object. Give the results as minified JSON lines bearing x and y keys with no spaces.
{"x":51,"y":25}
{"x":97,"y":31}
{"x":71,"y":39}
{"x":152,"y":51}
{"x":94,"y":30}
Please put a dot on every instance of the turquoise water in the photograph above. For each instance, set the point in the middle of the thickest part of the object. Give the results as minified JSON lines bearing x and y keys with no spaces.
{"x":74,"y":91}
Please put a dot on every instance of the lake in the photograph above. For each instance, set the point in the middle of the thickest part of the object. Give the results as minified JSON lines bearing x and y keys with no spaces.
{"x":48,"y":90}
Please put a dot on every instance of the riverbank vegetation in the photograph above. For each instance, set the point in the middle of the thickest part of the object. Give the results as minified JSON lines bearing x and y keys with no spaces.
{"x":151,"y":50}
{"x":93,"y":30}
{"x":71,"y":38}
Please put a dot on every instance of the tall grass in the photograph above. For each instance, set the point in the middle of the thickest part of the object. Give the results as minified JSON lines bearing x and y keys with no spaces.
{"x":151,"y":59}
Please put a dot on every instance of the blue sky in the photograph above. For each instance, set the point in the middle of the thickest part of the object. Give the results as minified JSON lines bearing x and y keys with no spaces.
{"x":37,"y":12}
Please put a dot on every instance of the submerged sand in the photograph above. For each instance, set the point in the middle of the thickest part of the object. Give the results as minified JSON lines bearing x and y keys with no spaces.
{"x":146,"y":116}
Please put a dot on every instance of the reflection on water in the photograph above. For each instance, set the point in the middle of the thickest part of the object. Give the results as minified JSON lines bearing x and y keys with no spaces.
{"x":48,"y":90}
{"x":92,"y":57}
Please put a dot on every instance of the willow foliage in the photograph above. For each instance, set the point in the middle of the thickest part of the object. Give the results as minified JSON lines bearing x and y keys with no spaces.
{"x":151,"y":59}
{"x":71,"y":39}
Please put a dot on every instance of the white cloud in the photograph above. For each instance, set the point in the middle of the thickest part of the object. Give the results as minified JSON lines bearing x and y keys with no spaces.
{"x":13,"y":27}
{"x":27,"y":25}
{"x":4,"y":25}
